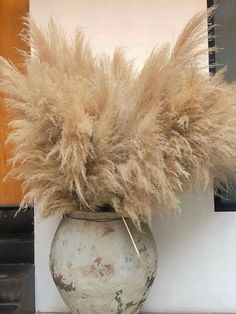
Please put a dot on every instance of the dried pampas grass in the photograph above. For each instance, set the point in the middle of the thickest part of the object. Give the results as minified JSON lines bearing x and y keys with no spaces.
{"x":91,"y":131}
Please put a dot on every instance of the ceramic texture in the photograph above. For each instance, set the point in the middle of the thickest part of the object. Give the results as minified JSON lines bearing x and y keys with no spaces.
{"x":95,"y":266}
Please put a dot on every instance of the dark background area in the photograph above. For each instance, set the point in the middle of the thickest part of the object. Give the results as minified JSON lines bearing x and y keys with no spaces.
{"x":224,"y":39}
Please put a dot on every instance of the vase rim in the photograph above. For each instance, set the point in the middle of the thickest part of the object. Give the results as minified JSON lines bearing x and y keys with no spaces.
{"x":95,"y":216}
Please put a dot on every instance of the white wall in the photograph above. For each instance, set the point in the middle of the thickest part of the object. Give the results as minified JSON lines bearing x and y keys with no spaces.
{"x":197,"y":252}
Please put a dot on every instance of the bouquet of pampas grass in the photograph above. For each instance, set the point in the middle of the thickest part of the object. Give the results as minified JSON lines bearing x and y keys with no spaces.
{"x":92,"y":132}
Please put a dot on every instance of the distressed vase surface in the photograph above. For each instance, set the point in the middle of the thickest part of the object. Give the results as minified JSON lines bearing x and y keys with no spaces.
{"x":95,"y":266}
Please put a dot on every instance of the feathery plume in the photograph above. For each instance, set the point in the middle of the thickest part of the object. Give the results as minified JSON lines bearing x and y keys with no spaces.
{"x":91,"y":131}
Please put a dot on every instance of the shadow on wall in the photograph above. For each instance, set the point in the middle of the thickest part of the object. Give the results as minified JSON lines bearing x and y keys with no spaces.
{"x":197,"y":257}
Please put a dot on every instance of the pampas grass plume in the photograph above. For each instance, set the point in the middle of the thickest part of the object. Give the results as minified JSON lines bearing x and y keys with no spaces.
{"x":91,"y":131}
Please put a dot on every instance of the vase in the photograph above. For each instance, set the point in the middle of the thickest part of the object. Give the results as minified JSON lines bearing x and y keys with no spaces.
{"x":102,"y":264}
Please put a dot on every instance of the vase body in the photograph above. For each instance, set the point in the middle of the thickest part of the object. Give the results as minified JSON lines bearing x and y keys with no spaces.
{"x":95,"y":266}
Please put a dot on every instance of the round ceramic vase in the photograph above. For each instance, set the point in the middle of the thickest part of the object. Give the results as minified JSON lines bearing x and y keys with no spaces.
{"x":96,"y":267}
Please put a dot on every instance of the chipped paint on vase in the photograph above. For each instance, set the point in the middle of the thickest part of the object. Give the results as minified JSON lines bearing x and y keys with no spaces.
{"x":95,"y":266}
